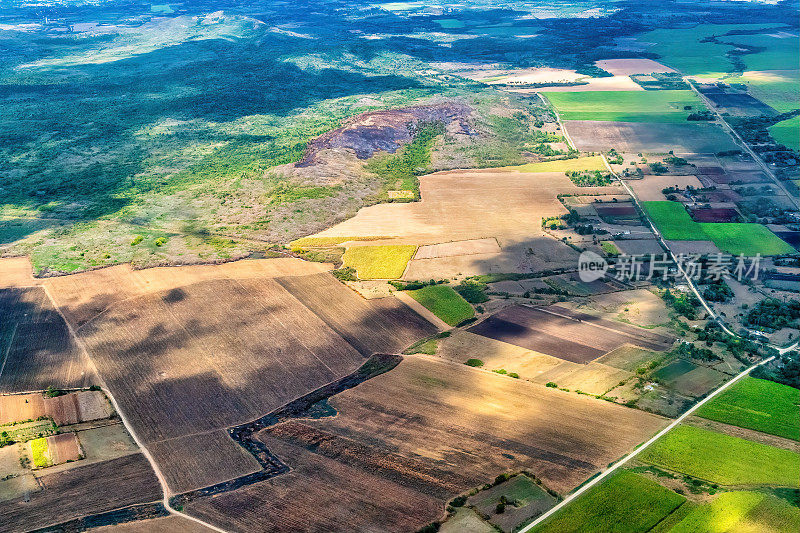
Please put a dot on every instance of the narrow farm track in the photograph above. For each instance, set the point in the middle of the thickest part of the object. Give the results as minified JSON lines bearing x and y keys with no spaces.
{"x":156,"y":470}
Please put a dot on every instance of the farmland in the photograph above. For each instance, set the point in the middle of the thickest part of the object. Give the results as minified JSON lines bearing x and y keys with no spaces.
{"x":747,"y":239}
{"x":674,"y":222}
{"x":787,"y":132}
{"x":83,"y":490}
{"x":741,"y":511}
{"x":626,"y":106}
{"x":723,"y":459}
{"x":422,"y":405}
{"x":379,"y":262}
{"x":444,"y":302}
{"x":594,"y":162}
{"x":760,"y":405}
{"x":624,"y":502}
{"x":188,"y":343}
{"x":570,"y":336}
{"x":35,"y":346}
{"x":633,"y":137}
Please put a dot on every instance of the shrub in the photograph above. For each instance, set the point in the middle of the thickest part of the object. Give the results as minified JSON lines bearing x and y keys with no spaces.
{"x":136,"y":240}
{"x":552,"y":385}
{"x":474,"y":362}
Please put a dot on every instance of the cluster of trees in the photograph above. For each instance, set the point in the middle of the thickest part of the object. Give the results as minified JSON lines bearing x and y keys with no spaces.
{"x":684,"y":304}
{"x":718,"y":291}
{"x":772,"y":314}
{"x":589,"y":178}
{"x":472,"y":291}
{"x":784,"y":369}
{"x":688,"y":349}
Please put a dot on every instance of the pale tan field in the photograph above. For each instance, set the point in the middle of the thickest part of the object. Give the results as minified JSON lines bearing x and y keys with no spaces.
{"x":495,"y":354}
{"x":639,"y":306}
{"x":626,"y":67}
{"x":468,"y":205}
{"x":450,"y":249}
{"x":594,"y":378}
{"x":650,"y":187}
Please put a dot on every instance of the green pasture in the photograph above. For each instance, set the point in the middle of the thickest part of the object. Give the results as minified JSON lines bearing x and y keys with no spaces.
{"x":787,"y":132}
{"x":682,"y":49}
{"x":747,"y":239}
{"x":675,"y":223}
{"x":758,"y":404}
{"x":626,"y":106}
{"x":742,"y":511}
{"x":625,"y":502}
{"x":444,"y":302}
{"x":723,"y":459}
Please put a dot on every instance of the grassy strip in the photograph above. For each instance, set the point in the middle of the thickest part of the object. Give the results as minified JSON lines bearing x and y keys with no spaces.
{"x":444,"y":302}
{"x":723,"y":459}
{"x":328,"y":241}
{"x":760,"y":405}
{"x":379,"y":262}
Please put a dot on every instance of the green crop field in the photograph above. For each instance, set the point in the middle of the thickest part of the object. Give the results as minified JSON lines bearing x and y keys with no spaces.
{"x":758,"y":404}
{"x":626,"y":106}
{"x":723,"y":459}
{"x":39,"y":449}
{"x":742,"y":511}
{"x":444,"y":302}
{"x":624,"y":502}
{"x":594,"y":162}
{"x":684,"y":50}
{"x":787,"y":132}
{"x":776,"y":51}
{"x":379,"y":262}
{"x":673,"y":221}
{"x":748,"y":239}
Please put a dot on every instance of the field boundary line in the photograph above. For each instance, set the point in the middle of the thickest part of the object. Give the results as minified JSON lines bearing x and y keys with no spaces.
{"x":642,"y":447}
{"x":156,"y":470}
{"x":8,"y":349}
{"x":566,"y":136}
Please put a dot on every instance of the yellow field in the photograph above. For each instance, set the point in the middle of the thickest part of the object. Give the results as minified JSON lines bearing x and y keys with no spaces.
{"x":379,"y":262}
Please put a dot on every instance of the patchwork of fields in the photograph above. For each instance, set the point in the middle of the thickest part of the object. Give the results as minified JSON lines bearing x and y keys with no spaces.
{"x":571,"y":336}
{"x":675,"y":223}
{"x":420,"y":435}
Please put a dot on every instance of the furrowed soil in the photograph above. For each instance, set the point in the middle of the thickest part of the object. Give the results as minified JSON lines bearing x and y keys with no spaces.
{"x":419,"y":435}
{"x":81,"y":491}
